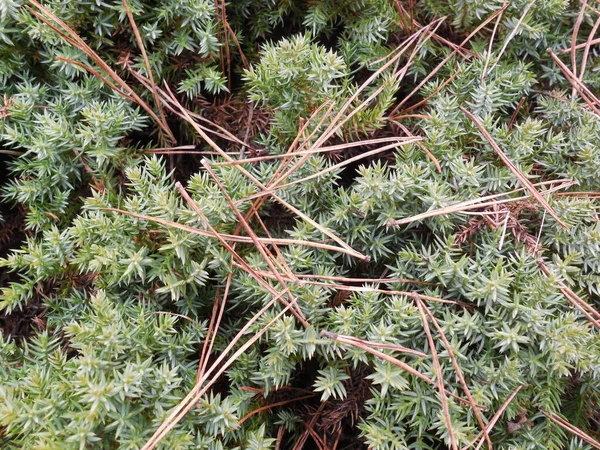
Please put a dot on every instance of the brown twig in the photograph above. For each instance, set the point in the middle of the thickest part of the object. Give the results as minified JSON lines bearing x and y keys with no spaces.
{"x":280,"y":434}
{"x":579,"y":46}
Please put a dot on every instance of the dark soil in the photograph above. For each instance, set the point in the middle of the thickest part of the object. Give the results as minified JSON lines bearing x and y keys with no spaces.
{"x":19,"y":324}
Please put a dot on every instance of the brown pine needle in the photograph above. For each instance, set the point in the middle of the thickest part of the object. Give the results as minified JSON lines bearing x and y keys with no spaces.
{"x":175,"y":150}
{"x":296,"y":310}
{"x":365,"y":280}
{"x":524,"y":181}
{"x":273,"y":405}
{"x":584,"y":307}
{"x":482,"y":202}
{"x":494,"y":419}
{"x":215,"y":322}
{"x":337,"y":121}
{"x":513,"y":118}
{"x":332,"y":148}
{"x":257,"y":244}
{"x":510,"y":37}
{"x":574,"y":41}
{"x":154,"y":89}
{"x":224,"y":133}
{"x":343,"y":287}
{"x":572,"y":429}
{"x":74,"y":39}
{"x":587,"y":49}
{"x":342,"y":340}
{"x":412,"y":23}
{"x":588,"y":96}
{"x":446,"y":59}
{"x":299,"y":445}
{"x":589,"y":194}
{"x":439,"y":375}
{"x":430,"y":155}
{"x":97,"y":75}
{"x":218,"y":367}
{"x":396,"y":348}
{"x":433,"y":94}
{"x":459,"y":373}
{"x":184,"y":113}
{"x":231,"y":237}
{"x":329,"y":169}
{"x":489,"y":50}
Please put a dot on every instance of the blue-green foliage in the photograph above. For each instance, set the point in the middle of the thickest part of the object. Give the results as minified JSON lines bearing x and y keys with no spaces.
{"x":127,"y":300}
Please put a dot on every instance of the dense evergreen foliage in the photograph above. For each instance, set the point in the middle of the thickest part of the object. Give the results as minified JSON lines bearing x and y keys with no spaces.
{"x":408,"y":253}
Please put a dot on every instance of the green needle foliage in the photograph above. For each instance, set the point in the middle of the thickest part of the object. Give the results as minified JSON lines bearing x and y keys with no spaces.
{"x":125,"y":301}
